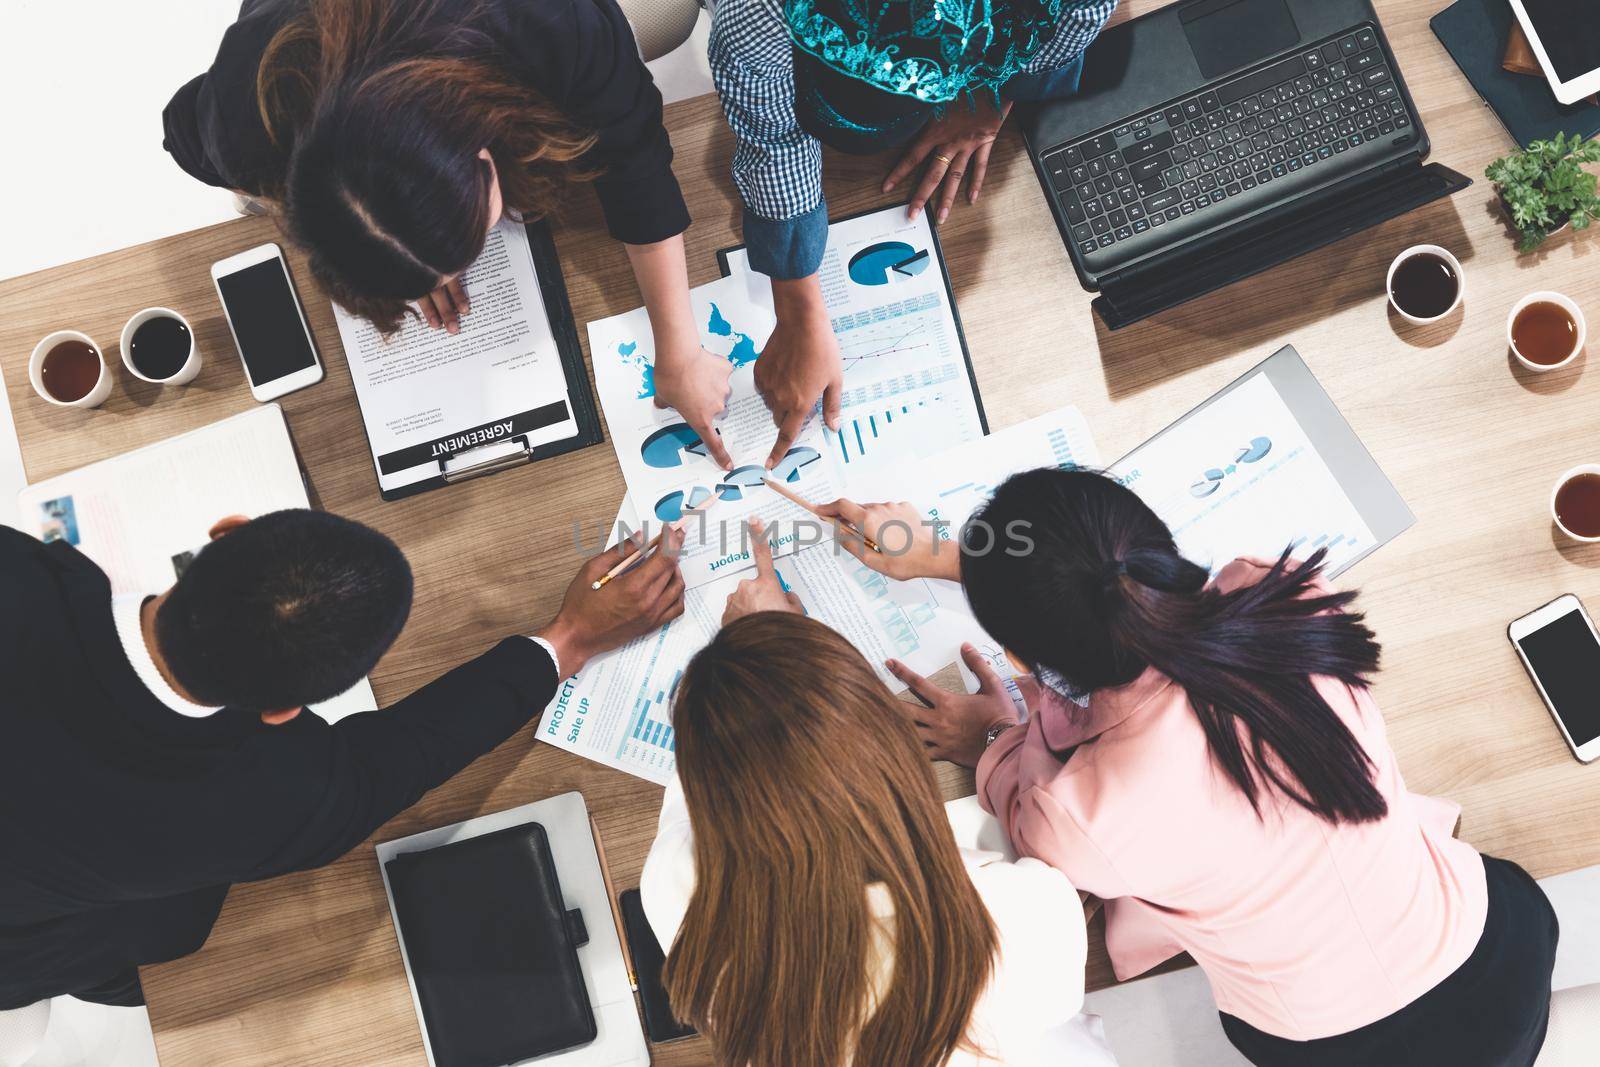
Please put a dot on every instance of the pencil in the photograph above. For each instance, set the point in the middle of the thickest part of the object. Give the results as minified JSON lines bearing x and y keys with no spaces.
{"x":639,"y":553}
{"x":795,"y":498}
{"x":633,"y":557}
{"x":616,"y":912}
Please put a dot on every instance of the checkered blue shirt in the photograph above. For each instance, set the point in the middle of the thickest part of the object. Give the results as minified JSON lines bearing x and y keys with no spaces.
{"x":777,"y":166}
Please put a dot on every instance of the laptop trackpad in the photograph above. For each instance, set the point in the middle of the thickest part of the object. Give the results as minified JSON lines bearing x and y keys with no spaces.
{"x":1228,"y":34}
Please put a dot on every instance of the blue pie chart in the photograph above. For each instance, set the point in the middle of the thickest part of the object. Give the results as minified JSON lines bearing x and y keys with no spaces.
{"x":793,"y":462}
{"x":665,"y":447}
{"x":878,"y":264}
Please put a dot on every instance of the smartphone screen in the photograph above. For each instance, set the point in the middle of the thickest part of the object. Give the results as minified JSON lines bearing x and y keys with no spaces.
{"x":1565,"y":658}
{"x":266,"y":321}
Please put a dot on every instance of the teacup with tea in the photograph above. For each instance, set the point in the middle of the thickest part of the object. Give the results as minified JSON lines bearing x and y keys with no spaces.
{"x":1546,"y":330}
{"x":1575,"y":503}
{"x":68,"y":370}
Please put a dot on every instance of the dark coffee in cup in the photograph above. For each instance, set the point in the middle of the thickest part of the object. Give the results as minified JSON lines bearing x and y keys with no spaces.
{"x":1424,"y":285}
{"x":70,"y":370}
{"x":160,"y":347}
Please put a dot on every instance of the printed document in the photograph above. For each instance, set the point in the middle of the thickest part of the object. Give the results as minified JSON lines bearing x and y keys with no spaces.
{"x":1241,"y":478}
{"x":617,"y":710}
{"x":431,"y":399}
{"x":907,"y":391}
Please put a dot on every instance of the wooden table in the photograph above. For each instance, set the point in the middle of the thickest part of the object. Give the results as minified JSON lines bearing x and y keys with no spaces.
{"x":304,"y":970}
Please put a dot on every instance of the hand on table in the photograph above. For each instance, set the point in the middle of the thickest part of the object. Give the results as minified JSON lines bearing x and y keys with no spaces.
{"x":694,"y":382}
{"x":955,"y":146}
{"x":764,"y":592}
{"x":639,"y":600}
{"x":909,"y":546}
{"x":953,"y":725}
{"x":800,"y":363}
{"x":445,"y":305}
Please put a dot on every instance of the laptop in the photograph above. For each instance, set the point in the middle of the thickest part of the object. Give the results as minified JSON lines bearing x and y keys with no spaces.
{"x":1213,"y":139}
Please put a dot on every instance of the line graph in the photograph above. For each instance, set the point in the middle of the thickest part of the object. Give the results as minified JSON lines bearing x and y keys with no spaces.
{"x":914,"y":339}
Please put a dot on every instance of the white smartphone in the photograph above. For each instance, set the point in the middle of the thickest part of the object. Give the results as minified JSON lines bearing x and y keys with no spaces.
{"x":268,"y":324}
{"x":1561,"y":651}
{"x":1565,"y":36}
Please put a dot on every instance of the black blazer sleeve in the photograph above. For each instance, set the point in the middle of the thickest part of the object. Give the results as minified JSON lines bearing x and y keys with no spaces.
{"x":378,"y":763}
{"x":212,"y":126}
{"x":583,"y":55}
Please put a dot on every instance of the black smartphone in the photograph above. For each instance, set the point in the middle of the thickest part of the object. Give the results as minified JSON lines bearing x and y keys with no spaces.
{"x":648,"y":959}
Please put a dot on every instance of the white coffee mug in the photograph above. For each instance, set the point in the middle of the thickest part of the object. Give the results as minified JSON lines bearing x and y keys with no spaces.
{"x":1560,"y":300}
{"x":185,"y":373}
{"x":1582,"y":468}
{"x":94,"y":397}
{"x":1444,"y":254}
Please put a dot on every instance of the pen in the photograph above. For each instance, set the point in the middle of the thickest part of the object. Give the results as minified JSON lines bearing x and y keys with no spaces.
{"x":796,"y":498}
{"x":639,"y":553}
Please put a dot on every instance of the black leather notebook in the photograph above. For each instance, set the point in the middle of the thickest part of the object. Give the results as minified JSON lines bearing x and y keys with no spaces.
{"x":1474,"y":32}
{"x":492,"y":948}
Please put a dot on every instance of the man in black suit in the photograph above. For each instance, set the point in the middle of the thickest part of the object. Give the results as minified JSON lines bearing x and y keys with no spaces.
{"x":154,"y":750}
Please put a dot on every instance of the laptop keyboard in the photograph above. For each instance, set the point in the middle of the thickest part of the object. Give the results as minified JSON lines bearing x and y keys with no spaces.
{"x":1201,"y":150}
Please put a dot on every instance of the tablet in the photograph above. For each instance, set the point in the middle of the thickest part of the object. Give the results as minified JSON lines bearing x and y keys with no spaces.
{"x":1268,"y":462}
{"x":1565,"y":35}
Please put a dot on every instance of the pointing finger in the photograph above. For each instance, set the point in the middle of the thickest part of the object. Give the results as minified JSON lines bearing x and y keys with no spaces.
{"x":761,"y":550}
{"x":830,"y":403}
{"x":920,"y":687}
{"x":793,"y":422}
{"x":988,"y":680}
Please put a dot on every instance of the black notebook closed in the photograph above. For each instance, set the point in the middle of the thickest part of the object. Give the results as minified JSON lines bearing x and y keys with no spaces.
{"x":492,"y":948}
{"x":1474,"y":32}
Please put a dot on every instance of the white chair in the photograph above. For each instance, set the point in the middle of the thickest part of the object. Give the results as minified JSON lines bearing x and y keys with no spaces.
{"x":660,"y":25}
{"x":1573,"y":1039}
{"x":22,"y":1032}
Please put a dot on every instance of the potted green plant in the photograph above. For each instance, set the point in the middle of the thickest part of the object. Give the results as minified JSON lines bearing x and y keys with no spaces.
{"x":1546,"y":187}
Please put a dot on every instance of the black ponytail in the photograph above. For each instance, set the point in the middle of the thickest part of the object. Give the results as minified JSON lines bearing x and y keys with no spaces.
{"x":1104,"y":594}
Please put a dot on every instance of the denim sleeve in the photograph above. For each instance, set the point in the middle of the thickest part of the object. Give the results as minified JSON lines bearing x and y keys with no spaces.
{"x":787,"y":248}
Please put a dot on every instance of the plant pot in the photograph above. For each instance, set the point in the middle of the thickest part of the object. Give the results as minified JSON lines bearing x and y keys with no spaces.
{"x":1505,"y":209}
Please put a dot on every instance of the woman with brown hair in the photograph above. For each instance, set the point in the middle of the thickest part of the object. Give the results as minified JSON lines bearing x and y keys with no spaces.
{"x":393,"y":134}
{"x":805,"y":875}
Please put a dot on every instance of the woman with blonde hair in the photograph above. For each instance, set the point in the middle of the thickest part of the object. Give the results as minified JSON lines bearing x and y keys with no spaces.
{"x":806,"y":878}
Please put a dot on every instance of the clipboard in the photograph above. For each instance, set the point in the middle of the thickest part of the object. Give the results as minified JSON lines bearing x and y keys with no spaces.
{"x":505,"y":442}
{"x":936,"y":250}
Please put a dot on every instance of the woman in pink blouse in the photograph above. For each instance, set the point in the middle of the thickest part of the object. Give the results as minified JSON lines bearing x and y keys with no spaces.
{"x":1206,"y":757}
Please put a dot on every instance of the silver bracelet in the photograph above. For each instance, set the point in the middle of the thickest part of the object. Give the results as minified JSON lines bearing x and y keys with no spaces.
{"x":993,"y":733}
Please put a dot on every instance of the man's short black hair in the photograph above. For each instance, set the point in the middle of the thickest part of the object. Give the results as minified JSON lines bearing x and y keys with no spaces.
{"x":289,"y":609}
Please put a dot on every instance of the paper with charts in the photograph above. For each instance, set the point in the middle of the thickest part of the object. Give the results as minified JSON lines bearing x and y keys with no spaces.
{"x":1241,"y":478}
{"x":907,"y":391}
{"x":951,"y":486}
{"x":617,"y":710}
